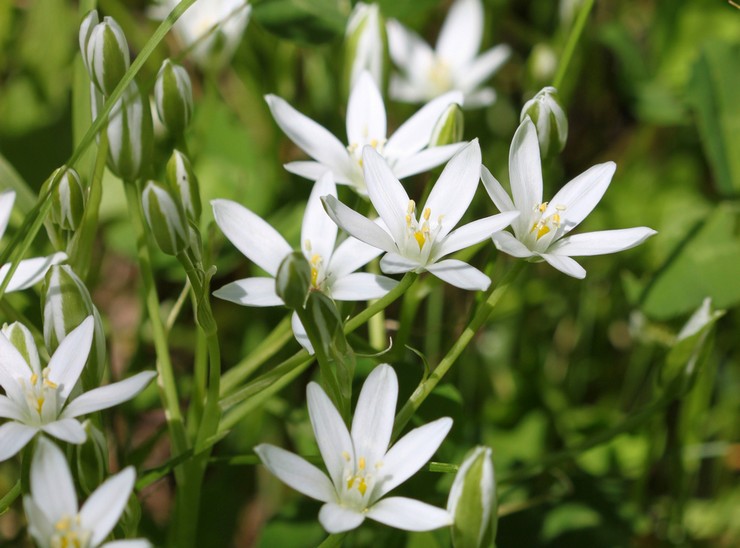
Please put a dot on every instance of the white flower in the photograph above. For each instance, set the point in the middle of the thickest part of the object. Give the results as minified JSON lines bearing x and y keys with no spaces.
{"x":406,"y":151}
{"x":364,"y":39}
{"x":54,"y":516}
{"x":360,"y":466}
{"x":539,"y":230}
{"x":29,"y":271}
{"x":36,"y":399}
{"x":418,"y":243}
{"x":453,"y":65}
{"x":332,"y":270}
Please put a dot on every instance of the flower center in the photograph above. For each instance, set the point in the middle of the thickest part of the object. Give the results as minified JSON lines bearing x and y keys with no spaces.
{"x":420,"y":230}
{"x":38,"y":391}
{"x":359,"y":481}
{"x":355,"y":149}
{"x":69,"y":534}
{"x":440,"y":75}
{"x":542,"y":226}
{"x":318,"y":276}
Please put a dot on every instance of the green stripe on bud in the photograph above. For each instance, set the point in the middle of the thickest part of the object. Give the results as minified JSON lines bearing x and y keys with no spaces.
{"x":86,"y":28}
{"x":68,"y":200}
{"x":472,"y":501}
{"x":293,"y":280}
{"x":549,"y":118}
{"x":449,"y":127}
{"x":173,"y":96}
{"x":365,"y":43}
{"x":20,"y":337}
{"x":106,"y":54}
{"x":130,"y":135}
{"x":182,"y":180}
{"x":165,"y":218}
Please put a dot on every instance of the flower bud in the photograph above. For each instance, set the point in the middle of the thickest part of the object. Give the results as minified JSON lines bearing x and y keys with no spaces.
{"x":181,"y":179}
{"x":542,"y":64}
{"x":68,"y":200}
{"x":549,"y":118}
{"x":22,"y":339}
{"x":449,"y":127}
{"x":130,"y":135}
{"x":107,"y":55}
{"x":173,"y":95}
{"x":365,"y":42}
{"x":92,"y":458}
{"x":165,"y":219}
{"x":472,"y":501}
{"x":293,"y":280}
{"x":66,"y":303}
{"x":86,"y":28}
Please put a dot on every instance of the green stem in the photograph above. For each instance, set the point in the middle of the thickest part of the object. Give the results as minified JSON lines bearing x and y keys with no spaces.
{"x":333,"y":540}
{"x":570,"y":45}
{"x":10,"y":497}
{"x":381,"y":304}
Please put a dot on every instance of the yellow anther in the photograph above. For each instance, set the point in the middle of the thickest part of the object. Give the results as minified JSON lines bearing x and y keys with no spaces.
{"x":544,"y":229}
{"x":345,"y":456}
{"x":374,"y":143}
{"x":39,"y":403}
{"x":427,"y":213}
{"x":420,"y":238}
{"x":542,"y":207}
{"x":425,"y":228}
{"x":555,"y":219}
{"x":361,"y":463}
{"x":315,"y":259}
{"x":63,"y":524}
{"x":411,"y":207}
{"x":314,"y":276}
{"x":362,"y":487}
{"x":351,"y":148}
{"x":34,"y":378}
{"x":408,"y":220}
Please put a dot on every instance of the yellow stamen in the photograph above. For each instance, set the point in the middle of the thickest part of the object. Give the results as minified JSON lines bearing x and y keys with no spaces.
{"x":427,"y":213}
{"x":420,"y":238}
{"x":544,"y":229}
{"x":361,"y":463}
{"x":374,"y":143}
{"x":411,"y":207}
{"x":555,"y":219}
{"x":39,"y":403}
{"x":34,"y":378}
{"x":542,"y":207}
{"x":315,"y":260}
{"x":408,"y":220}
{"x":362,"y":487}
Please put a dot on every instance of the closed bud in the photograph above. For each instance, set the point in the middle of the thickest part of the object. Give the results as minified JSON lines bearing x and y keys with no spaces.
{"x":365,"y":43}
{"x":472,"y":501}
{"x":107,"y":56}
{"x":549,"y":118}
{"x":541,"y":64}
{"x":165,"y":218}
{"x":181,"y":179}
{"x":130,"y":135}
{"x":293,"y":280}
{"x":68,"y":200}
{"x":66,"y":303}
{"x":173,"y":95}
{"x":449,"y":127}
{"x":22,"y":339}
{"x":92,"y":458}
{"x":86,"y":28}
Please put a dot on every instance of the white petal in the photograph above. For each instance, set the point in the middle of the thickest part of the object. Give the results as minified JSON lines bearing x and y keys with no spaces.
{"x":298,"y":473}
{"x":357,"y":225}
{"x":69,"y":430}
{"x":472,"y":233}
{"x":12,"y":366}
{"x":128,"y":543}
{"x":372,"y":424}
{"x":411,"y":452}
{"x":309,"y":170}
{"x":52,"y":487}
{"x":409,"y":514}
{"x":350,"y":255}
{"x":365,"y":112}
{"x":13,"y":437}
{"x":460,"y":36}
{"x":424,"y":160}
{"x":331,"y":433}
{"x":40,"y":527}
{"x":484,"y":66}
{"x":338,"y":519}
{"x":565,"y":265}
{"x":525,"y":170}
{"x":314,"y":139}
{"x":104,"y":507}
{"x":10,"y":410}
{"x":30,"y":271}
{"x":599,"y":243}
{"x":393,"y":263}
{"x":70,"y":356}
{"x":407,"y":91}
{"x":108,"y":396}
{"x":251,"y":235}
{"x":497,"y":193}
{"x":455,"y":188}
{"x":406,"y":48}
{"x":361,"y":286}
{"x":386,"y":192}
{"x":581,"y":195}
{"x":318,"y":230}
{"x":414,"y":134}
{"x":6,"y":206}
{"x":506,"y":242}
{"x":299,"y":332}
{"x":479,"y":98}
{"x":460,"y":274}
{"x":250,"y":292}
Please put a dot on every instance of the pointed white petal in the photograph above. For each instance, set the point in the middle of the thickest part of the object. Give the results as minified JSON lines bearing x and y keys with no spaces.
{"x":350,"y":255}
{"x":409,"y":514}
{"x":30,"y":271}
{"x":581,"y":195}
{"x":331,"y":433}
{"x":393,"y":263}
{"x":314,"y":139}
{"x":6,"y":206}
{"x":296,"y":472}
{"x":460,"y":275}
{"x":250,"y":292}
{"x":70,"y":356}
{"x":373,"y":421}
{"x":13,"y":437}
{"x":406,"y":48}
{"x":506,"y":242}
{"x":251,"y":235}
{"x":386,"y":192}
{"x":484,"y":67}
{"x":361,"y":286}
{"x":108,"y":396}
{"x":601,"y":242}
{"x":472,"y":233}
{"x":479,"y":98}
{"x":455,"y":188}
{"x":128,"y":543}
{"x":104,"y":507}
{"x":319,"y":232}
{"x":52,"y":487}
{"x":299,"y":332}
{"x":497,"y":193}
{"x":69,"y":430}
{"x":407,"y":91}
{"x":411,"y":452}
{"x":414,"y":134}
{"x":10,"y":410}
{"x":338,"y":519}
{"x":40,"y":527}
{"x":525,"y":170}
{"x":565,"y":265}
{"x":424,"y":160}
{"x":357,"y":225}
{"x":365,"y":112}
{"x":12,"y":366}
{"x":460,"y":36}
{"x":307,"y":169}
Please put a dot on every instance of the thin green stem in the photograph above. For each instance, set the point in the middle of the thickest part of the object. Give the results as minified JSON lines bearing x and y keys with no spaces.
{"x":570,"y":45}
{"x":10,"y":497}
{"x":381,"y":304}
{"x":333,"y":540}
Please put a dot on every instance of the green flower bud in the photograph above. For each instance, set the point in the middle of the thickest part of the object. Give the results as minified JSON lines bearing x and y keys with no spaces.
{"x":365,"y":43}
{"x":66,"y":303}
{"x":20,"y":337}
{"x":68,"y":200}
{"x":293,"y":280}
{"x":472,"y":501}
{"x":107,"y":55}
{"x":449,"y":127}
{"x":86,"y":28}
{"x":92,"y":459}
{"x":173,"y":95}
{"x":549,"y":118}
{"x":181,"y":179}
{"x":130,"y":135}
{"x":165,"y":218}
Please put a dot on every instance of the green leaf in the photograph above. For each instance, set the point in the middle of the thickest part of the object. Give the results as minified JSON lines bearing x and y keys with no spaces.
{"x":308,"y":21}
